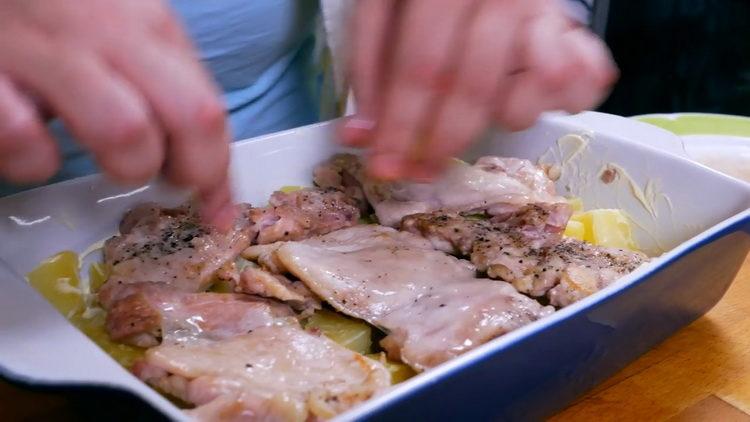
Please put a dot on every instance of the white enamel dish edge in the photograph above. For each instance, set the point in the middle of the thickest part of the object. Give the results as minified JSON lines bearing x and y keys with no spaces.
{"x":72,"y":215}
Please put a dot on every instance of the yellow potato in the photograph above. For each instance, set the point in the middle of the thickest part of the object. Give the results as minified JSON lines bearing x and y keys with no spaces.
{"x":56,"y":278}
{"x":353,"y":334}
{"x":603,"y":227}
{"x":93,"y":327}
{"x":291,"y":188}
{"x":400,"y":372}
{"x":584,"y":218}
{"x":611,"y":228}
{"x":575,"y":229}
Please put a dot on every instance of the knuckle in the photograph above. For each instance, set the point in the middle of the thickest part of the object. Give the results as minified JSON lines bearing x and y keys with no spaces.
{"x":210,"y":116}
{"x":427,"y":73}
{"x":16,"y":127}
{"x":476,"y":91}
{"x":126,"y":171}
{"x":556,"y":75}
{"x":128,"y":129}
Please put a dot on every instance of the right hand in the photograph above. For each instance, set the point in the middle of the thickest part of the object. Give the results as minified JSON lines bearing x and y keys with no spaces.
{"x":126,"y":81}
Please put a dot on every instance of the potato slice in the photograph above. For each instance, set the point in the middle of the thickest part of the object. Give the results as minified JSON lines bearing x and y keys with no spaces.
{"x":607,"y":227}
{"x":351,"y":333}
{"x":288,"y":189}
{"x":400,"y":372}
{"x":56,"y":278}
{"x":575,"y":229}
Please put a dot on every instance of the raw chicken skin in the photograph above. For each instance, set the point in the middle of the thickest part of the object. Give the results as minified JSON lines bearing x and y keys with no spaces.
{"x":527,"y":249}
{"x":303,"y":213}
{"x":430,"y":303}
{"x":146,"y":313}
{"x":171,"y":246}
{"x":257,"y":281}
{"x":274,"y":373}
{"x":462,"y":187}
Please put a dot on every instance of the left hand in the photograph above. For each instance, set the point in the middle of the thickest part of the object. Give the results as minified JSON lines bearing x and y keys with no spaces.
{"x":429,"y":76}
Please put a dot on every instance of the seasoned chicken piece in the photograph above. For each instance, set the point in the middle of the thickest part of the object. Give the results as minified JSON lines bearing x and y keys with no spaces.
{"x":265,"y":256}
{"x":463,"y":187}
{"x":276,"y":372}
{"x":429,"y":302}
{"x":529,"y":252}
{"x":255,"y":280}
{"x":303,"y":213}
{"x":344,"y":172}
{"x":456,"y":318}
{"x":171,"y":246}
{"x":535,"y":225}
{"x":146,"y":313}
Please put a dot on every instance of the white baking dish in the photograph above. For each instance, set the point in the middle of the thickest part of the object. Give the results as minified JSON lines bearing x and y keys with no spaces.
{"x":679,"y":206}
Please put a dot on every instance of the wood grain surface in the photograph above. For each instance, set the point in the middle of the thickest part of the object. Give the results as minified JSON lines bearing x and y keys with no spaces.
{"x":701,"y":373}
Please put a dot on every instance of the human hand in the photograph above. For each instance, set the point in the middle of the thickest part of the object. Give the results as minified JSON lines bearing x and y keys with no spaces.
{"x":126,"y":82}
{"x":429,"y":76}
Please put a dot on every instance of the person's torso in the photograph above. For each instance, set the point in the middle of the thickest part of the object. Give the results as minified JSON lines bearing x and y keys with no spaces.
{"x":240,"y":41}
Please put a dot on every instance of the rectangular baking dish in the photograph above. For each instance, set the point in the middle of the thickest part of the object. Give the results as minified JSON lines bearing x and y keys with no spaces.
{"x":696,"y":219}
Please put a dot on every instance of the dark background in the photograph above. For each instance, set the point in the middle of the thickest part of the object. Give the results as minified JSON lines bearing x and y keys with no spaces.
{"x":680,"y":55}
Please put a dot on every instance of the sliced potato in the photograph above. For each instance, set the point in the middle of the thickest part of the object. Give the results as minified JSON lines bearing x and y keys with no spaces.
{"x":290,"y":188}
{"x":611,"y":228}
{"x":93,"y":326}
{"x":56,"y":278}
{"x":575,"y":229}
{"x":400,"y":372}
{"x":353,"y":334}
{"x":584,"y":219}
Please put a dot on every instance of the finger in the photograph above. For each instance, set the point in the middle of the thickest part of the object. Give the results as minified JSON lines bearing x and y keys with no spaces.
{"x":467,"y":108}
{"x":186,"y":102}
{"x":565,"y":70}
{"x":421,"y":72}
{"x":27,"y":152}
{"x":102,"y":110}
{"x":545,"y":70}
{"x":594,"y":68}
{"x":216,"y":206}
{"x":371,"y":25}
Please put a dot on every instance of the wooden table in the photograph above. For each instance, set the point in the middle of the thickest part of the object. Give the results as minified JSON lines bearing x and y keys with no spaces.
{"x":701,"y":373}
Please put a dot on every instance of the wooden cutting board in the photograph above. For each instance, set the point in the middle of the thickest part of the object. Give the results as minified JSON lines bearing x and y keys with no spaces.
{"x":701,"y":373}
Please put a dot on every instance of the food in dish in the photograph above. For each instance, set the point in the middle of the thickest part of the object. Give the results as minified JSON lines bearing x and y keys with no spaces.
{"x":432,"y":305}
{"x":526,"y":247}
{"x":463,"y":187}
{"x":250,"y":324}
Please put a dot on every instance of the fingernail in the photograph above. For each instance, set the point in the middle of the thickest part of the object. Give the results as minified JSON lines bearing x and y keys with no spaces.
{"x":360,"y":122}
{"x":357,"y":129}
{"x":387,"y":167}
